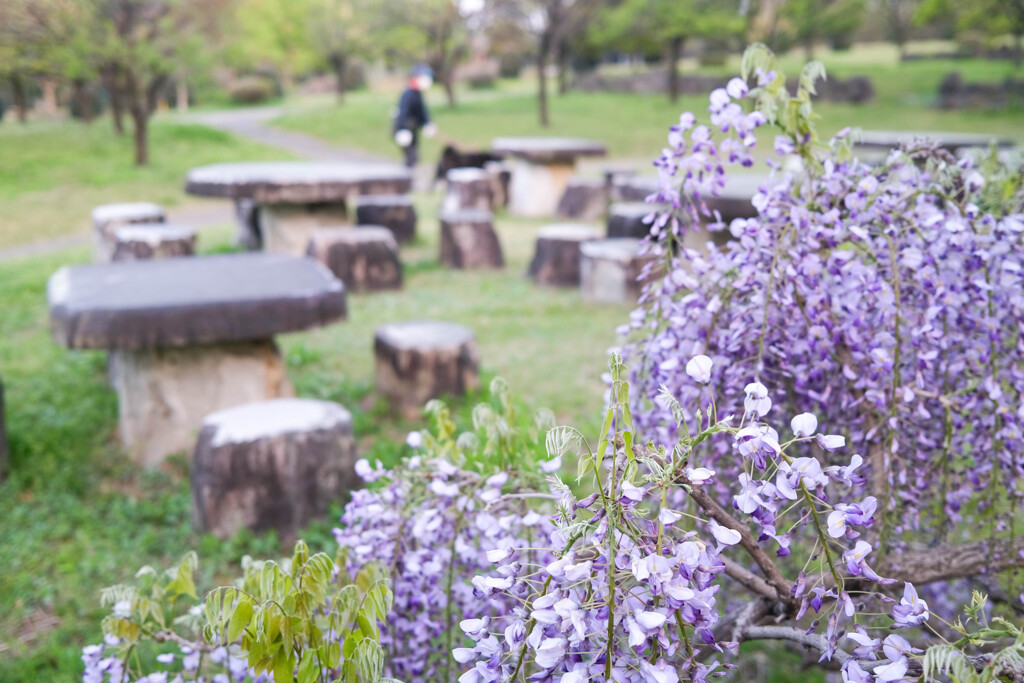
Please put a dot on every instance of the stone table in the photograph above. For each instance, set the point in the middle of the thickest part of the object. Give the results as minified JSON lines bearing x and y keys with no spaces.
{"x":541,"y":168}
{"x":293,"y":198}
{"x":191,"y":336}
{"x":885,"y":140}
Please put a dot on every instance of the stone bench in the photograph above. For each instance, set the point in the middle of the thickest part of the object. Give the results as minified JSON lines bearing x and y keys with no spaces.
{"x":610,"y":268}
{"x":293,"y":198}
{"x":191,"y":335}
{"x":584,"y":199}
{"x":394,"y":211}
{"x":556,"y":258}
{"x":146,"y":241}
{"x":626,"y":219}
{"x":364,"y":257}
{"x":272,"y":465}
{"x":468,"y":240}
{"x":468,"y":188}
{"x":418,"y":361}
{"x":107,"y":218}
{"x":541,"y":168}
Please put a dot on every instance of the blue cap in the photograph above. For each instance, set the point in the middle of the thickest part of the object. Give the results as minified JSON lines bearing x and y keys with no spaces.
{"x":422,"y":70}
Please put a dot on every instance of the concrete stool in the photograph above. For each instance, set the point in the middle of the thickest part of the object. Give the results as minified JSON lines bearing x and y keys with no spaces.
{"x":107,"y":218}
{"x":626,"y":219}
{"x":394,"y":211}
{"x":609,"y":270}
{"x":584,"y":199}
{"x":468,"y":188}
{"x":418,"y":361}
{"x":272,"y":465}
{"x":364,"y":258}
{"x":556,"y":260}
{"x":145,"y":241}
{"x":499,"y":175}
{"x":468,"y":240}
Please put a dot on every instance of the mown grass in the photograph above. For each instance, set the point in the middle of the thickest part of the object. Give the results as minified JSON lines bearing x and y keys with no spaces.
{"x":53,"y":173}
{"x":76,"y":515}
{"x":634,"y":126}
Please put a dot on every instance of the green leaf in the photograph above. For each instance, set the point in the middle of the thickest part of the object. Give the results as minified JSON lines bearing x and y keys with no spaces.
{"x":284,"y":668}
{"x":308,"y":669}
{"x":369,"y":661}
{"x":239,"y":619}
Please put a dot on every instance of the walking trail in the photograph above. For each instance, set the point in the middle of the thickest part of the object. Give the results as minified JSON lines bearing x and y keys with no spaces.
{"x":250,"y":123}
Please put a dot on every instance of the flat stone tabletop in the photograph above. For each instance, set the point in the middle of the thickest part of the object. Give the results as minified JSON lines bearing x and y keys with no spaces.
{"x":548,"y":149}
{"x":191,"y":301}
{"x":889,"y":139}
{"x":297,"y":182}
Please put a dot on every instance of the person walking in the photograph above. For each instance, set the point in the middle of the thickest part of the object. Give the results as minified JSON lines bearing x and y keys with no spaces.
{"x":413,"y":115}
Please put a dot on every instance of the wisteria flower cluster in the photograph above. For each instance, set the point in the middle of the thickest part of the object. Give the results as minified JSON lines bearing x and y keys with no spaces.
{"x":881,"y":298}
{"x":634,"y":591}
{"x":436,"y":524}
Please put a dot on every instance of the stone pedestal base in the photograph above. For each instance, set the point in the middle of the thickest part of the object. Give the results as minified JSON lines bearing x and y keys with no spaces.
{"x":499,"y":176}
{"x":286,"y":228}
{"x":164,"y":394}
{"x":535,"y":189}
{"x":609,"y":270}
{"x":247,"y":221}
{"x":272,"y":465}
{"x":418,"y":361}
{"x":556,"y":260}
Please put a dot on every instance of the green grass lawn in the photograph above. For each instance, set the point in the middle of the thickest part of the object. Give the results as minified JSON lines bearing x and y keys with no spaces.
{"x":53,"y":174}
{"x":635,"y":126}
{"x":75,"y":515}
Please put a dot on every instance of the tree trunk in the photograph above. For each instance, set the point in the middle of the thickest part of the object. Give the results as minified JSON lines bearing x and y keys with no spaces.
{"x":140,"y":120}
{"x":181,"y":96}
{"x":20,"y":98}
{"x":49,"y":87}
{"x":338,"y":64}
{"x":448,"y":83}
{"x":563,"y":67}
{"x":675,"y":51}
{"x":109,"y":78}
{"x":542,"y":79}
{"x":83,"y":102}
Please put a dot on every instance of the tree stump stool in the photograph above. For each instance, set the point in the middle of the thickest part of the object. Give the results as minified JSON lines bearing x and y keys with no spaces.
{"x":632,"y":187}
{"x":364,"y":258}
{"x":5,"y":453}
{"x":468,"y":240}
{"x":499,"y":175}
{"x":107,"y":218}
{"x":468,"y":188}
{"x":418,"y":361}
{"x":272,"y":465}
{"x":583,"y":199}
{"x":556,"y":260}
{"x":248,"y":235}
{"x":626,"y":219}
{"x":146,"y":241}
{"x":610,"y":270}
{"x":394,"y":211}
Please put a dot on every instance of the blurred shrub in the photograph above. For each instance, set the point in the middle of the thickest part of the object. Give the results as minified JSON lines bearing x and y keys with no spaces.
{"x":250,"y":90}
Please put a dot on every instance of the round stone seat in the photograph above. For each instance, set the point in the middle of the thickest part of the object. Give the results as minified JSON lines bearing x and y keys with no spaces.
{"x":468,"y":188}
{"x":107,"y":218}
{"x":272,"y":465}
{"x":626,"y":219}
{"x":556,"y":259}
{"x":468,"y":240}
{"x":394,"y":211}
{"x":610,"y":270}
{"x":584,"y":199}
{"x":144,"y":241}
{"x":420,"y":360}
{"x":363,"y":258}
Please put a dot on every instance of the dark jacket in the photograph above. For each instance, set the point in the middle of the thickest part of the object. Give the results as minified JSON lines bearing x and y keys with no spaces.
{"x":412,"y":112}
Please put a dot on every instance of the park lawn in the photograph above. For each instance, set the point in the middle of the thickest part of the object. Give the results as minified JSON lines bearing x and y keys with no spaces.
{"x":634,"y":126}
{"x":53,"y":173}
{"x":76,"y":515}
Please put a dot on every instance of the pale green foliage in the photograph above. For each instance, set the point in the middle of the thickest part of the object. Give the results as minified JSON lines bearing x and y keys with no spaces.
{"x":950,"y":660}
{"x":301,"y":619}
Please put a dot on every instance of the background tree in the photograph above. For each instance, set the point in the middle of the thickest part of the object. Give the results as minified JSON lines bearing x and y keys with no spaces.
{"x":900,"y":17}
{"x":28,"y":40}
{"x":634,"y":25}
{"x":271,"y":34}
{"x":341,"y":32}
{"x":992,"y":17}
{"x":812,"y":21}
